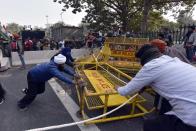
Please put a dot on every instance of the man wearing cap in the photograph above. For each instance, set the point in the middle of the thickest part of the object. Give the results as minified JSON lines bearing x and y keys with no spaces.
{"x":162,"y":104}
{"x":67,"y":53}
{"x":170,"y":51}
{"x":39,"y":74}
{"x":174,"y":80}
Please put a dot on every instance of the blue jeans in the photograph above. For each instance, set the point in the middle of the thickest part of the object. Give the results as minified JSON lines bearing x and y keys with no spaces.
{"x":189,"y":53}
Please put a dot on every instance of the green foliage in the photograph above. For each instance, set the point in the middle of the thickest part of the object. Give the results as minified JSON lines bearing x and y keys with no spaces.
{"x":14,"y":28}
{"x":185,"y":17}
{"x":127,"y":14}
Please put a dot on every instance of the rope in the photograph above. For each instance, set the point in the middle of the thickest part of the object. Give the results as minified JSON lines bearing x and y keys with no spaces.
{"x":113,"y":75}
{"x":84,"y":121}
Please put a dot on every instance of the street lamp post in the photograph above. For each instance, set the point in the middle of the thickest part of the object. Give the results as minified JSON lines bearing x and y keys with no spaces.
{"x":48,"y":32}
{"x":61,"y":14}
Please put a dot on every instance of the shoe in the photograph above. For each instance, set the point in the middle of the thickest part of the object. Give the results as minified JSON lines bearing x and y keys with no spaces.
{"x":2,"y":101}
{"x":24,"y":108}
{"x":24,"y":90}
{"x":22,"y":68}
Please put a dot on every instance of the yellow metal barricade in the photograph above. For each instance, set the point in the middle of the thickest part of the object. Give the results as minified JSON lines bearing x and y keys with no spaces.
{"x":119,"y":52}
{"x":101,"y":78}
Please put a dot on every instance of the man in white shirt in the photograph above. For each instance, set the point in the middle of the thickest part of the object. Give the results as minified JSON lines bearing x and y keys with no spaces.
{"x":173,"y":80}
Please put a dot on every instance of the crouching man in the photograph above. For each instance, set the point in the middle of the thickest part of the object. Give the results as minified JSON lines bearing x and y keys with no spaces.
{"x":39,"y":74}
{"x":172,"y":79}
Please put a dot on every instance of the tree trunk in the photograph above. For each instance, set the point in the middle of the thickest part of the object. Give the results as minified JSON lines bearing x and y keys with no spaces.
{"x":147,"y":7}
{"x":125,"y":25}
{"x":125,"y":16}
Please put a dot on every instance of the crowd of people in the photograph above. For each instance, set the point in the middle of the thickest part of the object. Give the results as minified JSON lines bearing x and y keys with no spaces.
{"x":34,"y":44}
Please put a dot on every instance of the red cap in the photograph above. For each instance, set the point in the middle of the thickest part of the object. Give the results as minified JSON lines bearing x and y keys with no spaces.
{"x":160,"y":44}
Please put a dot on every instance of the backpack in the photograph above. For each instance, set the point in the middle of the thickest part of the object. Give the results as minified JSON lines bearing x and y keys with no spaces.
{"x":14,"y":45}
{"x":28,"y":44}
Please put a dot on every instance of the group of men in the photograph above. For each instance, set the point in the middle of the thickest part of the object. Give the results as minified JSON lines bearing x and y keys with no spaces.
{"x":164,"y":68}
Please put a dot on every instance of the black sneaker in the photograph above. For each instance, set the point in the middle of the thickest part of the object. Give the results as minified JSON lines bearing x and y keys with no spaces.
{"x":24,"y":90}
{"x":2,"y":101}
{"x":22,"y":108}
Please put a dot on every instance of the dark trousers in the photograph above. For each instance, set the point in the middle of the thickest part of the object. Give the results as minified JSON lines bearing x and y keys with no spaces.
{"x":22,"y":59}
{"x":33,"y":89}
{"x":163,"y":104}
{"x":189,"y":53}
{"x":166,"y":123}
{"x":2,"y":92}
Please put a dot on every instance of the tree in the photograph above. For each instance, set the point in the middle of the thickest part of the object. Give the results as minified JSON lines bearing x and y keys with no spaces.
{"x":14,"y":28}
{"x":163,"y":6}
{"x":185,"y":17}
{"x":105,"y":14}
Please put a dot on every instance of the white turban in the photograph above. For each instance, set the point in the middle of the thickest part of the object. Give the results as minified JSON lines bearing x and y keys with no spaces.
{"x":60,"y":59}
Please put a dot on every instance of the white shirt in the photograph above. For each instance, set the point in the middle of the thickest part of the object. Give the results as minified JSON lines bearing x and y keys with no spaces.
{"x":172,"y":79}
{"x":192,"y":38}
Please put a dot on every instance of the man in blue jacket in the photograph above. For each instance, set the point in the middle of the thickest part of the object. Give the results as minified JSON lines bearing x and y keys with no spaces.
{"x":39,"y":74}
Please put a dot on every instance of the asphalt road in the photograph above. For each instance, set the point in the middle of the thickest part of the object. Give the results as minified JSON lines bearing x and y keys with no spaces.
{"x":46,"y":110}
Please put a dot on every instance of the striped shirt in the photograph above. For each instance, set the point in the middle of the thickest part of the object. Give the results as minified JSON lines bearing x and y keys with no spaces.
{"x":172,"y":79}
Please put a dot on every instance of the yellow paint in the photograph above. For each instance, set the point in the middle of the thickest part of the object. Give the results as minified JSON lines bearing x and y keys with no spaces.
{"x":101,"y":84}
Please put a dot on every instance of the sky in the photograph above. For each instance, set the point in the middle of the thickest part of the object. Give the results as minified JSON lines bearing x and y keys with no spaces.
{"x":34,"y":12}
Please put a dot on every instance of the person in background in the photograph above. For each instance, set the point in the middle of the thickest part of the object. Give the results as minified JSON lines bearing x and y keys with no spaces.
{"x":170,"y":51}
{"x":20,"y":50}
{"x":52,"y":45}
{"x":28,"y":44}
{"x":174,"y":80}
{"x":34,"y":45}
{"x":39,"y":74}
{"x":61,"y":44}
{"x":42,"y":44}
{"x":166,"y":36}
{"x":189,"y":50}
{"x":161,"y":103}
{"x":89,"y":40}
{"x":188,"y":34}
{"x":2,"y":94}
{"x":191,"y":44}
{"x":38,"y":45}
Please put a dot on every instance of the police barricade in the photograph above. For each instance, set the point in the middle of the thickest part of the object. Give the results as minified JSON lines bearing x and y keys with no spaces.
{"x":99,"y":92}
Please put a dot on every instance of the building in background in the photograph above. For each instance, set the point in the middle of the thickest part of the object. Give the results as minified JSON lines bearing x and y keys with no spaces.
{"x":71,"y":35}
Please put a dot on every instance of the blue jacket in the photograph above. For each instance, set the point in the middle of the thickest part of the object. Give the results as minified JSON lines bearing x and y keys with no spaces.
{"x":44,"y":72}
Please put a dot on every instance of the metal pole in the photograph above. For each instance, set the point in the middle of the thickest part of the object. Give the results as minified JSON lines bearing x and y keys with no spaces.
{"x":61,"y":14}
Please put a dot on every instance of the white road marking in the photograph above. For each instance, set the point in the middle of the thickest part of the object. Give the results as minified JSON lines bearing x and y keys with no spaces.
{"x":70,"y":105}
